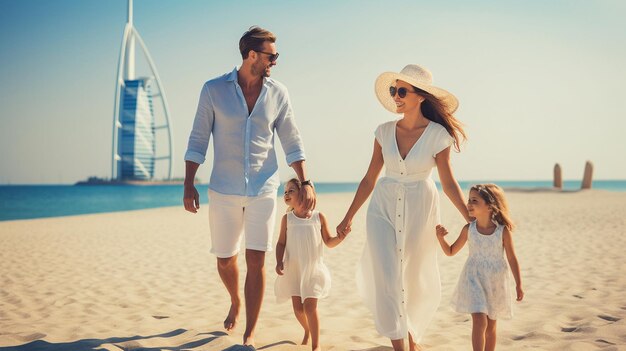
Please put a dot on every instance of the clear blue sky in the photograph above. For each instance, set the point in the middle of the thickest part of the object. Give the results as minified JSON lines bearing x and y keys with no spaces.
{"x":539,"y":82}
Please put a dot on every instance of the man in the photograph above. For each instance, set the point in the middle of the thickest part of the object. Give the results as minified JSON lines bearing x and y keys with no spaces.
{"x":243,"y":109}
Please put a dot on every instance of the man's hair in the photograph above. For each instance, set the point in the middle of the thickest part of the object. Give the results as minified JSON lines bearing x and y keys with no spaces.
{"x":253,"y":39}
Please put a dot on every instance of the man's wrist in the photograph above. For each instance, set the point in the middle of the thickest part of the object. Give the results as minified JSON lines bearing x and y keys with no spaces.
{"x":307,"y":182}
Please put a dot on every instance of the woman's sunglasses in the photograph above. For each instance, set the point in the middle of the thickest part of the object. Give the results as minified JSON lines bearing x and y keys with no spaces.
{"x":401,"y":92}
{"x":271,"y":57}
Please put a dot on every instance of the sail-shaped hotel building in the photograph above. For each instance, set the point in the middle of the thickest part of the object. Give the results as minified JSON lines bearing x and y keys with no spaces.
{"x":135,"y":128}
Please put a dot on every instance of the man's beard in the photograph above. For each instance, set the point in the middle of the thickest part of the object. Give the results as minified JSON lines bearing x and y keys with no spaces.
{"x":260,"y":71}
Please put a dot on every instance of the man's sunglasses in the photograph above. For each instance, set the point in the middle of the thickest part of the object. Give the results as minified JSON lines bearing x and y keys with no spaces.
{"x":401,"y":92}
{"x":272,"y":57}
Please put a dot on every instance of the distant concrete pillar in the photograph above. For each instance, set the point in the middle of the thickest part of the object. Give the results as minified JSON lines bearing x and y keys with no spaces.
{"x":587,"y":176}
{"x":558,"y":177}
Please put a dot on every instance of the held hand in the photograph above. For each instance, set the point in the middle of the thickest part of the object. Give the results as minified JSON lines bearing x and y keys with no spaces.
{"x":520,"y":293}
{"x":307,"y":197}
{"x":441,"y":231}
{"x":191,"y":199}
{"x":280,"y":268}
{"x":344,"y":228}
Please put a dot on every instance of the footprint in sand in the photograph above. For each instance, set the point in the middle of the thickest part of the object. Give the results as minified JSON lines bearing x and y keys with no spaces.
{"x":605,"y":342}
{"x":587,"y":330}
{"x":609,"y":318}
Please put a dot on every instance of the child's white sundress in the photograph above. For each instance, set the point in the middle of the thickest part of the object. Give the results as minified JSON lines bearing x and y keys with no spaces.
{"x":483,"y":286}
{"x":305,"y":273}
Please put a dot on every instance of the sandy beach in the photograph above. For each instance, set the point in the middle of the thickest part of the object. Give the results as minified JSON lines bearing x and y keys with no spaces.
{"x":145,"y":280}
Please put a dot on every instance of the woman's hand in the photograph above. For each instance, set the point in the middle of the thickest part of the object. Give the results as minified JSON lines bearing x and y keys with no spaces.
{"x":344,"y":228}
{"x":280,"y":267}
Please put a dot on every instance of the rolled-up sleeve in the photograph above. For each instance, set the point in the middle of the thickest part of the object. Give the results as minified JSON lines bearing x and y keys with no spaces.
{"x":288,"y":133}
{"x":201,"y":131}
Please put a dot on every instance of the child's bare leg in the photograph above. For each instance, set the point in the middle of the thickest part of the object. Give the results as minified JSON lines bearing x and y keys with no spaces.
{"x":490,"y":335}
{"x":398,"y":344}
{"x":298,"y":310}
{"x":479,"y":326}
{"x":310,"y":309}
{"x":413,"y":346}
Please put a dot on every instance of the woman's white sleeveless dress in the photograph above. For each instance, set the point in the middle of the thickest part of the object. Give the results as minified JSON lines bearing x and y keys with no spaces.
{"x":483,"y":285}
{"x":399,"y":276}
{"x":305,"y":273}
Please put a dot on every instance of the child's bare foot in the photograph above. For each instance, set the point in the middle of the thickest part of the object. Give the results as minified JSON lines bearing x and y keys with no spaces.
{"x":317,"y":348}
{"x":248,"y":340}
{"x":305,"y":339}
{"x":231,"y":320}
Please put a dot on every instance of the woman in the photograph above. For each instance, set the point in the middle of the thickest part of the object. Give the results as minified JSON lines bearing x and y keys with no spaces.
{"x":399,"y":276}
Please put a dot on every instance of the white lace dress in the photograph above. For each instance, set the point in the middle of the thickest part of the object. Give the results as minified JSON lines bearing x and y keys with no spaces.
{"x":305,"y":273}
{"x":398,"y":276}
{"x":484,"y":283}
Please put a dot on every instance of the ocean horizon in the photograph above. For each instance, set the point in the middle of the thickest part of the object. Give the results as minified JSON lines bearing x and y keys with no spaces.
{"x":18,"y":202}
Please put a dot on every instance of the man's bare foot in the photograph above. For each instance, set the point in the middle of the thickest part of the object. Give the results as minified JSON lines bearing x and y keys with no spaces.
{"x":231,"y":320}
{"x":415,"y":347}
{"x":318,"y":348}
{"x":305,"y":339}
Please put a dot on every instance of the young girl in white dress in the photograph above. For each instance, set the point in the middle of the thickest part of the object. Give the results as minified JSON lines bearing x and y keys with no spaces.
{"x":483,"y":287}
{"x":302,"y":274}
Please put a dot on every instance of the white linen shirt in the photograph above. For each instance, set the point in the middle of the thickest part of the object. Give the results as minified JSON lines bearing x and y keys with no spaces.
{"x":244,"y":160}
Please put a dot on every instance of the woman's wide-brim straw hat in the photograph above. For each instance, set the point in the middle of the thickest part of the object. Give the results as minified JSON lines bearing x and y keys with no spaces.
{"x":418,"y":77}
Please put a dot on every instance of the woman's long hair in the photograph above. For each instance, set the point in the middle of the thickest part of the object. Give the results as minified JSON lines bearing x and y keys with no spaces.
{"x":494,"y":197}
{"x":436,"y":111}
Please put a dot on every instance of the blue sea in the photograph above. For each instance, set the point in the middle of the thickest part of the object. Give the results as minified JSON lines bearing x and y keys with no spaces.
{"x":39,"y":201}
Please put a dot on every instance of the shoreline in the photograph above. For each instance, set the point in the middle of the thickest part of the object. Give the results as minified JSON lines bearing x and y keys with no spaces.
{"x":350,"y":193}
{"x":23,"y":202}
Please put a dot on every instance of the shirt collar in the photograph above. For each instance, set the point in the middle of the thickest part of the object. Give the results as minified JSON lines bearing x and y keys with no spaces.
{"x":232,"y":77}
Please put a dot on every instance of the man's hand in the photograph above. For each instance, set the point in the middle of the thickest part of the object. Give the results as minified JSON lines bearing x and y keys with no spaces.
{"x":307,"y":197}
{"x":191,"y":199}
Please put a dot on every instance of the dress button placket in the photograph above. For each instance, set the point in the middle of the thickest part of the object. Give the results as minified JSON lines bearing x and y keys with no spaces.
{"x":400,"y":234}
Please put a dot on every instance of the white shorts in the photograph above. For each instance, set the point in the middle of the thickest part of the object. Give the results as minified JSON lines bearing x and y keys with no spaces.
{"x":232,"y":215}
